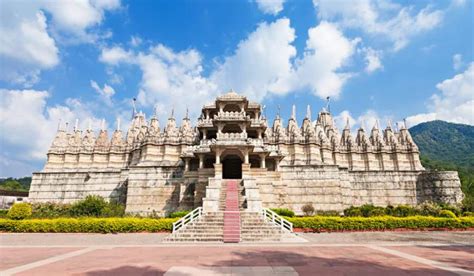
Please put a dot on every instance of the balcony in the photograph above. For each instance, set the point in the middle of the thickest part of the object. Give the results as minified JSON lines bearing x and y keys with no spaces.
{"x":231,"y":116}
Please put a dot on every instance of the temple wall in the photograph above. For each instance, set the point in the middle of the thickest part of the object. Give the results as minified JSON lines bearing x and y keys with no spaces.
{"x":158,"y":190}
{"x":67,"y":187}
{"x":439,"y":187}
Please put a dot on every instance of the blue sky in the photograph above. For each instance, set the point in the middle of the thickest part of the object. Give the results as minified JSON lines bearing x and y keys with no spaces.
{"x":86,"y":60}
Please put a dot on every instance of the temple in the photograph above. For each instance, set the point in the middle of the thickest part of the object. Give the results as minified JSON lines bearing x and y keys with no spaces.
{"x":279,"y":166}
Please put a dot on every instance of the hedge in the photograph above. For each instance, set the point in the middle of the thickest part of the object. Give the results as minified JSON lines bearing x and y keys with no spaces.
{"x":379,"y":223}
{"x":87,"y":225}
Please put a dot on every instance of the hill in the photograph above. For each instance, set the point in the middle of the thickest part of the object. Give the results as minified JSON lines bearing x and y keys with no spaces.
{"x":448,"y":146}
{"x":446,"y":142}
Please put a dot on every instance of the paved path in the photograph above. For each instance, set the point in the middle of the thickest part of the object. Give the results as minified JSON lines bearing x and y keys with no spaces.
{"x":367,"y":253}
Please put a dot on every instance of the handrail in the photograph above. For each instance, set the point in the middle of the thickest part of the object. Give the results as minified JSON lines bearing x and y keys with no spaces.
{"x":277,"y":220}
{"x":190,"y":217}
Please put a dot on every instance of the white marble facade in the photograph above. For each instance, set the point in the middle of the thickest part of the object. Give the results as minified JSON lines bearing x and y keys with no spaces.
{"x":155,"y":170}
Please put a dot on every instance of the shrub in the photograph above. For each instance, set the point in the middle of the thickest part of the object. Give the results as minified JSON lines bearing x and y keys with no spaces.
{"x":87,"y":225}
{"x":353,"y":212}
{"x":308,"y":209}
{"x":3,"y":213}
{"x":179,"y":214}
{"x":328,"y":213}
{"x":446,"y":214}
{"x":404,"y":211}
{"x":19,"y":211}
{"x":456,"y":210}
{"x":389,"y":210}
{"x":376,"y":212}
{"x":96,"y":206}
{"x":468,"y":214}
{"x":428,"y":208}
{"x":284,"y":212}
{"x":113,"y":209}
{"x":50,"y":210}
{"x":379,"y":223}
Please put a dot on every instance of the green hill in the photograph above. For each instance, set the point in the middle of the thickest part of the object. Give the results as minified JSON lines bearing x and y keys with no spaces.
{"x":448,"y":146}
{"x":446,"y":142}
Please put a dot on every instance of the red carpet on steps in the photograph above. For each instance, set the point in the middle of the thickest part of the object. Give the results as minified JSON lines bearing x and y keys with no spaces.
{"x":232,"y":213}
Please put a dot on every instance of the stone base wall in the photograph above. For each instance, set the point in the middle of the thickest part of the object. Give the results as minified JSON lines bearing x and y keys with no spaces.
{"x":334,"y":188}
{"x":439,"y":187}
{"x":160,"y":190}
{"x":67,"y":187}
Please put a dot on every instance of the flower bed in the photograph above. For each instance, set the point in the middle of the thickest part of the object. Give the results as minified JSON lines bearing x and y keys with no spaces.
{"x":333,"y":224}
{"x":87,"y":225}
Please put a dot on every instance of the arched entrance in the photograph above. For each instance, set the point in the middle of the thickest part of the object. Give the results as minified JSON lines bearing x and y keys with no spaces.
{"x":232,"y":167}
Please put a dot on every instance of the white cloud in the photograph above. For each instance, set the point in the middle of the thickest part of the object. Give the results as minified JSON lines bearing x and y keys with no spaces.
{"x":105,"y":93}
{"x":135,"y":41}
{"x":380,"y":18}
{"x":327,"y":52}
{"x":457,"y":62}
{"x":260,"y":62}
{"x":24,"y":114}
{"x":454,"y":104}
{"x":174,"y":79}
{"x":270,"y":6}
{"x":115,"y":55}
{"x":372,"y":59}
{"x":29,"y":41}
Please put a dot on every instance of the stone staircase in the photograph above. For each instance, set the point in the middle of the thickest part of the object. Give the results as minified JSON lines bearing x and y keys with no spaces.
{"x":231,"y":212}
{"x":232,"y":223}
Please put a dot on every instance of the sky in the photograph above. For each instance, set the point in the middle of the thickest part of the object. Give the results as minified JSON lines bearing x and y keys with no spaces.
{"x":85,"y":60}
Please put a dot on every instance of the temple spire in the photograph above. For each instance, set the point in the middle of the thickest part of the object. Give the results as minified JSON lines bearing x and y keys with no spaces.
{"x":348,"y":125}
{"x":308,"y":112}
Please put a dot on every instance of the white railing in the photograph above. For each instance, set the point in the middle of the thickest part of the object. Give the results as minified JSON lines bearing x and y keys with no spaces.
{"x":275,"y":219}
{"x":194,"y":215}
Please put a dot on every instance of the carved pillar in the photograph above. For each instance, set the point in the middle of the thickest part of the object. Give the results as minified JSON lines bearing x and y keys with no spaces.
{"x":218,"y":156}
{"x":186,"y":164}
{"x":262,"y":161}
{"x":201,"y":161}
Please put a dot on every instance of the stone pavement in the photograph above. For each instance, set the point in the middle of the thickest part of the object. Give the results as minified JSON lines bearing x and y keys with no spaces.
{"x":366,"y":253}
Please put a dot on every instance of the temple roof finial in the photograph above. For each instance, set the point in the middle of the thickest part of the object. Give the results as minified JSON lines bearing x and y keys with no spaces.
{"x":308,"y":112}
{"x":348,"y":125}
{"x":76,"y":125}
{"x":187,"y":113}
{"x":172,"y":113}
{"x":118,"y":124}
{"x":134,"y":110}
{"x":328,"y":102}
{"x":59,"y":124}
{"x":102,"y":124}
{"x":293,"y":112}
{"x":155,"y":111}
{"x":89,"y":126}
{"x":278,"y":111}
